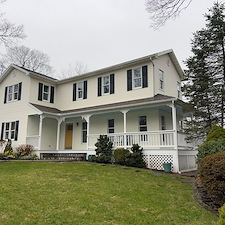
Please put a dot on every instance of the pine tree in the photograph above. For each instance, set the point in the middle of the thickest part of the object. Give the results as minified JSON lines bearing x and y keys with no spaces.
{"x":206,"y":75}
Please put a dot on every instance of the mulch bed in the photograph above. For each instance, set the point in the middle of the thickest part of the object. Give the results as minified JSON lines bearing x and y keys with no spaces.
{"x":200,"y":194}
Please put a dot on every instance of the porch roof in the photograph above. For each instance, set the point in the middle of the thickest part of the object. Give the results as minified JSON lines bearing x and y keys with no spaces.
{"x":156,"y":100}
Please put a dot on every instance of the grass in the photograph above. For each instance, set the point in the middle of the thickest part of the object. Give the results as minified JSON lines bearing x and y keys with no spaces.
{"x":78,"y":193}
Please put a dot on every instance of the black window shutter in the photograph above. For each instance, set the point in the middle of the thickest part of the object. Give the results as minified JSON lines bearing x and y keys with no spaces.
{"x":112,"y":83}
{"x":85,"y":89}
{"x":74,"y":92}
{"x":129,"y":80}
{"x":5,"y":98}
{"x":2,"y":133}
{"x":52,"y":94}
{"x":20,"y":89}
{"x":16,"y":131}
{"x":145,"y":76}
{"x":99,"y":86}
{"x":40,"y":91}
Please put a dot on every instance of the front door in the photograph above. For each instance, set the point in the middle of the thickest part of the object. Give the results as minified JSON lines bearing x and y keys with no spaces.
{"x":69,"y":136}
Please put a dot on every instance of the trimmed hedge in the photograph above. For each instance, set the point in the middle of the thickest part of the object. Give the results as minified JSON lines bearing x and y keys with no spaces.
{"x":222,"y":216}
{"x":212,"y":174}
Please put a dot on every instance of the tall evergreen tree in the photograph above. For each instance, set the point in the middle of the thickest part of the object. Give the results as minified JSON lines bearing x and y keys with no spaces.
{"x":205,"y":75}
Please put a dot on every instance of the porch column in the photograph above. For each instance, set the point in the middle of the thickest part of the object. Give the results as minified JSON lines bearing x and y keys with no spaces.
{"x":125,"y":127}
{"x":40,"y":131}
{"x":87,"y":119}
{"x":174,"y":116}
{"x":60,"y":120}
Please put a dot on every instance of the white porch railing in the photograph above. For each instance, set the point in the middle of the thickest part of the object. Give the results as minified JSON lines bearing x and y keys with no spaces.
{"x":33,"y":140}
{"x":156,"y":139}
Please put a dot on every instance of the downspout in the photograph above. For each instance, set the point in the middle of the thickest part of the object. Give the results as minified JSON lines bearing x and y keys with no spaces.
{"x":153,"y":74}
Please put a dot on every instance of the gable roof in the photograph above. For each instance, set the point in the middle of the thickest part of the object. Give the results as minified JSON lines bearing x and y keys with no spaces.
{"x":27,"y":72}
{"x":109,"y":69}
{"x":130,"y":63}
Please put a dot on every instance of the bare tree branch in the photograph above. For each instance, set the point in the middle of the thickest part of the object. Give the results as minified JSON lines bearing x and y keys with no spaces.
{"x":75,"y":69}
{"x":162,"y":10}
{"x":25,"y":57}
{"x":9,"y":32}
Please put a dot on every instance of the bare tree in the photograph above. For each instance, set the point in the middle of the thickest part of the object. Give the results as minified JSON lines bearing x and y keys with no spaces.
{"x":75,"y":69}
{"x":23,"y":56}
{"x":9,"y":32}
{"x":162,"y":10}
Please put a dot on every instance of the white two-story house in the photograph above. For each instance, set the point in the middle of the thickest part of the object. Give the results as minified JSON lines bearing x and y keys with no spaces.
{"x":135,"y":102}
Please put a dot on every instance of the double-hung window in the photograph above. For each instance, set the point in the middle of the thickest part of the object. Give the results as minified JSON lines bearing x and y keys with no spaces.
{"x":106,"y":85}
{"x":10,"y":130}
{"x":13,"y":93}
{"x":137,"y":78}
{"x":143,"y":127}
{"x":46,"y":93}
{"x":161,"y":80}
{"x":111,"y":126}
{"x":80,"y":90}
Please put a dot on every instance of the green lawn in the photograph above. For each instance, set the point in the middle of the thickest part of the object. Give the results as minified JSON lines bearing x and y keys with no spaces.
{"x":88,"y":193}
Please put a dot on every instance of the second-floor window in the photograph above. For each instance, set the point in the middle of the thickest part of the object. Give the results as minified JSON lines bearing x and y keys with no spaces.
{"x":13,"y":93}
{"x":46,"y":93}
{"x":161,"y":80}
{"x":10,"y":130}
{"x":80,"y":90}
{"x":137,"y":78}
{"x":106,"y":85}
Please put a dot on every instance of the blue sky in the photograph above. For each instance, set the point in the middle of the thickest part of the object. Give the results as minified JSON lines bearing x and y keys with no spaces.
{"x":101,"y":33}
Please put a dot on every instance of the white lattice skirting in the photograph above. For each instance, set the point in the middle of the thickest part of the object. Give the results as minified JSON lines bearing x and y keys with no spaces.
{"x":155,"y":162}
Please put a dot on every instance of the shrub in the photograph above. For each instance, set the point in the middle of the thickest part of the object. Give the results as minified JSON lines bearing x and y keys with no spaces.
{"x":209,"y":148}
{"x":120,"y":155}
{"x":30,"y":157}
{"x":25,"y":149}
{"x":104,"y":149}
{"x":216,"y":133}
{"x":212,"y":174}
{"x":222,"y":216}
{"x":135,"y":158}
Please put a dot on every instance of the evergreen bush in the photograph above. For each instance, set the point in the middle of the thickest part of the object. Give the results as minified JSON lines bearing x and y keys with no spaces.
{"x":103,"y":150}
{"x":212,"y":174}
{"x":120,"y":155}
{"x":8,"y":147}
{"x":209,"y":148}
{"x":216,"y":133}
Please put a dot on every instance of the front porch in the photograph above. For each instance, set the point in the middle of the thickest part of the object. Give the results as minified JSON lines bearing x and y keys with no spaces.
{"x":155,"y":124}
